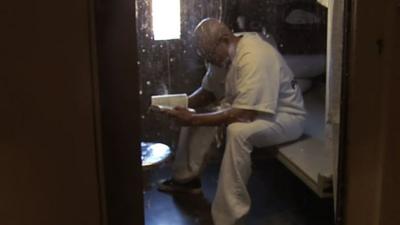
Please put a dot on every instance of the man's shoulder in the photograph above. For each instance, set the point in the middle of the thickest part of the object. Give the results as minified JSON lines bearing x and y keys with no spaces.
{"x":254,"y":48}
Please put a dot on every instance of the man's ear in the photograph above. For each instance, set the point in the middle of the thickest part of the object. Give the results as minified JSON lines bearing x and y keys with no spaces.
{"x":225,"y":39}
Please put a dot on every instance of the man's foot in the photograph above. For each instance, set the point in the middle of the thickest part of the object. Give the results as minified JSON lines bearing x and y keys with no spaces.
{"x":170,"y":185}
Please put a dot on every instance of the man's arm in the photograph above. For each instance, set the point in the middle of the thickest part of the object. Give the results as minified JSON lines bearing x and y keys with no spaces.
{"x":225,"y":116}
{"x":201,"y":98}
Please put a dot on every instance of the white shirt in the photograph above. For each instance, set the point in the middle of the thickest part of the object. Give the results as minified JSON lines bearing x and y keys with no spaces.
{"x":258,"y":79}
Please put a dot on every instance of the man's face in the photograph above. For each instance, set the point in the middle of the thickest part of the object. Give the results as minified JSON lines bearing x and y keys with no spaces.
{"x":216,"y":54}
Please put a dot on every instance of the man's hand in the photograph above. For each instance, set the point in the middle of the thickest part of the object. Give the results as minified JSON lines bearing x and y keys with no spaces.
{"x":188,"y":117}
{"x":154,"y":109}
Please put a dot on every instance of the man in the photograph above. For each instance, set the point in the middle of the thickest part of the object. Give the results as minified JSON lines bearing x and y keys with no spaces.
{"x":261,"y":106}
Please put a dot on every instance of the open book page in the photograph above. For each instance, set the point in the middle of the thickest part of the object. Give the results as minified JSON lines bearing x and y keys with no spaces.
{"x":170,"y":101}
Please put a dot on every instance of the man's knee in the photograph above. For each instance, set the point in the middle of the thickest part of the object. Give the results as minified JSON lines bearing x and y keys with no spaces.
{"x":238,"y":131}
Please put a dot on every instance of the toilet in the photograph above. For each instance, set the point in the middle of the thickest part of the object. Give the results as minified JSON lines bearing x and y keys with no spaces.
{"x":306,"y":67}
{"x":153,"y":156}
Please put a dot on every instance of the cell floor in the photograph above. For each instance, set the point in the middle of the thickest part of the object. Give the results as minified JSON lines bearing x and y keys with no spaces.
{"x":278,"y":198}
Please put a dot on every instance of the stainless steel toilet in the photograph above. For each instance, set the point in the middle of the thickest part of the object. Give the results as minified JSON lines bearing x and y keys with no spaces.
{"x":154,"y":155}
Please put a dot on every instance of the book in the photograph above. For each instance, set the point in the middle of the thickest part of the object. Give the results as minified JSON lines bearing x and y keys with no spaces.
{"x":169,"y":101}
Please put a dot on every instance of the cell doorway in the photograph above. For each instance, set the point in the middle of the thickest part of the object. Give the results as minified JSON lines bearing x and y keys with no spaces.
{"x":294,"y":182}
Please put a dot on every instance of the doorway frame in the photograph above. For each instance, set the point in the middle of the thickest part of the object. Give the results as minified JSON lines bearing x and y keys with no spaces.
{"x":118,"y":78}
{"x":118,"y":110}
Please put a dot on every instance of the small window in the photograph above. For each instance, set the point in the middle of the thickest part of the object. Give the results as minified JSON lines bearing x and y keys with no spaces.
{"x":166,"y":19}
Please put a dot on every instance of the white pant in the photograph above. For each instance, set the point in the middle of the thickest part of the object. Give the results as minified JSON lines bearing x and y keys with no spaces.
{"x":232,"y":201}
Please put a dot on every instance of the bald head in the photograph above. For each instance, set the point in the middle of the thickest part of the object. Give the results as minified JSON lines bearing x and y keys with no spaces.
{"x":209,"y":32}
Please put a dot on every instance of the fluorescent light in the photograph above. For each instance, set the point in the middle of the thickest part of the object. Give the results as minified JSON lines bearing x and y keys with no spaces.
{"x":166,"y":19}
